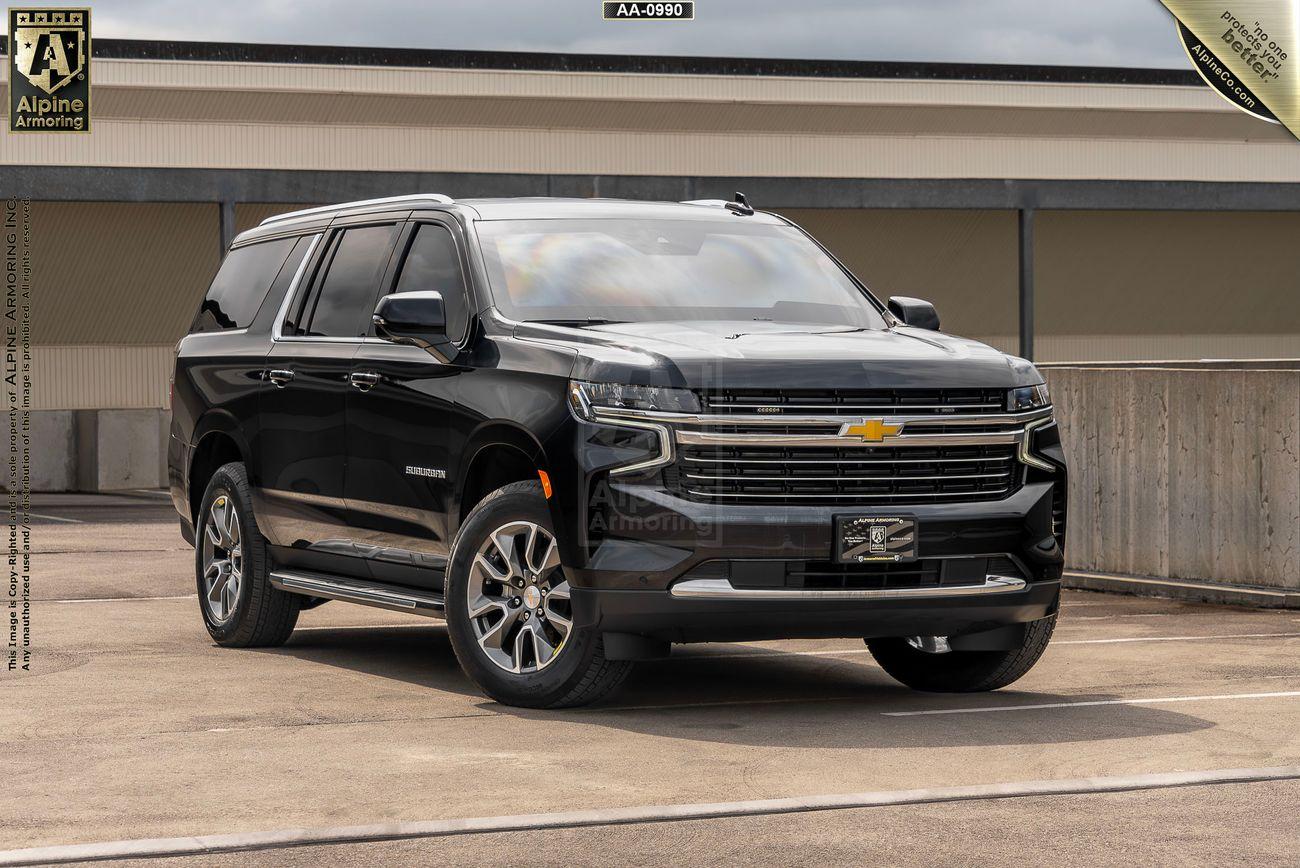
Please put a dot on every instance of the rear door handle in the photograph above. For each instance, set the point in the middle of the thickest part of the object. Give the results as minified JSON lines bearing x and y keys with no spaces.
{"x":364,"y":380}
{"x":281,"y":378}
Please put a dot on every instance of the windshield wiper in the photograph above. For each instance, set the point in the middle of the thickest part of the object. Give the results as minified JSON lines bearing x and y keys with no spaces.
{"x":588,"y":321}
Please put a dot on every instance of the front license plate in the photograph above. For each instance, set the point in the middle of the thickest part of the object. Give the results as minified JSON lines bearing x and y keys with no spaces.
{"x":862,"y":539}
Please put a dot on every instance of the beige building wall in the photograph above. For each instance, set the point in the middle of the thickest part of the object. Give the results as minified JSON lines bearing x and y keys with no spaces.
{"x":115,"y":286}
{"x":1117,"y":285}
{"x":161,"y":113}
{"x":1109,"y":285}
{"x":964,"y":262}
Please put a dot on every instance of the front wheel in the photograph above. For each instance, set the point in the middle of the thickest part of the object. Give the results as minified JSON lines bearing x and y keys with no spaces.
{"x":916,"y":663}
{"x":509,"y":610}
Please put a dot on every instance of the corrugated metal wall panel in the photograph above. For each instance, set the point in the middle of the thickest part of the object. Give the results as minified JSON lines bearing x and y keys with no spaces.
{"x":411,"y":110}
{"x":129,"y":143}
{"x":119,"y":273}
{"x":963,"y":261}
{"x":617,"y":85}
{"x":1167,"y":273}
{"x":98,"y":377}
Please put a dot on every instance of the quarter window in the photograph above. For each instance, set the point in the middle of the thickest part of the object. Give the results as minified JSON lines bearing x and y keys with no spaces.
{"x":241,"y":285}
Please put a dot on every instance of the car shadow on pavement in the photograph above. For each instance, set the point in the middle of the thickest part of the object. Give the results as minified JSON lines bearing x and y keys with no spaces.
{"x":762,"y":697}
{"x":419,"y":654}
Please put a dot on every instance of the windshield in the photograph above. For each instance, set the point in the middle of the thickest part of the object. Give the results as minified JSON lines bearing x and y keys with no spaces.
{"x":618,"y":270}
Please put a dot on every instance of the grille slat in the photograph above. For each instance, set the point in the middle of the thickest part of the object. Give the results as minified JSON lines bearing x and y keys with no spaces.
{"x":856,"y":401}
{"x":874,"y":475}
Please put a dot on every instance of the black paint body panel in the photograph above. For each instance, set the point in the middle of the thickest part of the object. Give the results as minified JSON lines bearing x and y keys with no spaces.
{"x":371,"y":483}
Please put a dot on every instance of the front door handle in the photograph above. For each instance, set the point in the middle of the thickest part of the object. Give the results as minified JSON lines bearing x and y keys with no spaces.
{"x":364,"y":380}
{"x":281,"y":378}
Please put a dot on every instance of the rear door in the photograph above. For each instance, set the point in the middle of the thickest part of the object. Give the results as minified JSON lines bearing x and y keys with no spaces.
{"x":401,"y":409}
{"x":303,"y":441}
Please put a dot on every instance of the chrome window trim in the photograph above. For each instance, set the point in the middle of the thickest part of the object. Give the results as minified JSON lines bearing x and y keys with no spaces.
{"x":722,"y":589}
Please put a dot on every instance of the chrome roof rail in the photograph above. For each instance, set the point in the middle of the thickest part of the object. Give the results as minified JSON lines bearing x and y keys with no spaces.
{"x":388,"y":200}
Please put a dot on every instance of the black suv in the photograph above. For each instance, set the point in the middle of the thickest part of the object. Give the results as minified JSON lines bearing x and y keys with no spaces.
{"x":581,"y":430}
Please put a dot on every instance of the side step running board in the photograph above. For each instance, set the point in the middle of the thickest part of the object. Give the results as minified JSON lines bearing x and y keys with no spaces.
{"x":399,"y":599}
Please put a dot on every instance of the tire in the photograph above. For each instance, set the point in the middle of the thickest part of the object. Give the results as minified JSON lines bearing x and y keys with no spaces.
{"x":962,"y":671}
{"x":256,"y":614}
{"x":503,"y":645}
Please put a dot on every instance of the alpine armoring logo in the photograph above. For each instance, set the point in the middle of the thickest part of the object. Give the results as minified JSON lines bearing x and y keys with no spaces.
{"x":49,"y":70}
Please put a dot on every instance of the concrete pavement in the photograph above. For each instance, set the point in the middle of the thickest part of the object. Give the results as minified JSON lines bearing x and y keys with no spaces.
{"x":135,"y":725}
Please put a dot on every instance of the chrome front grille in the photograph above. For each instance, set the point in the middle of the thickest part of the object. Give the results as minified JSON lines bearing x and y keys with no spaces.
{"x":875,"y":476}
{"x":843,"y":454}
{"x":854,"y":402}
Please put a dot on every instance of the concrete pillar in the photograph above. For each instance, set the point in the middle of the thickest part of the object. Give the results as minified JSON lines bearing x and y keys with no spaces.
{"x":119,"y":449}
{"x":54,"y":450}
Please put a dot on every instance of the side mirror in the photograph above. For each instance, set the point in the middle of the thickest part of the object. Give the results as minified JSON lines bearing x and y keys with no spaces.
{"x":417,"y":318}
{"x":914,"y":312}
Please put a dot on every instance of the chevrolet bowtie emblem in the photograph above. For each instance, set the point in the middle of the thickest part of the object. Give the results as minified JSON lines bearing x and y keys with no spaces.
{"x":870,"y":430}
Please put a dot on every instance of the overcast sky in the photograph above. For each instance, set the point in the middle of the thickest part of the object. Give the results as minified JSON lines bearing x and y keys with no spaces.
{"x":1087,"y":32}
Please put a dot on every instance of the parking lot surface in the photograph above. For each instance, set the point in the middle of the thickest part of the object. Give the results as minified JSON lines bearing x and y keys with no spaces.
{"x":134,"y":725}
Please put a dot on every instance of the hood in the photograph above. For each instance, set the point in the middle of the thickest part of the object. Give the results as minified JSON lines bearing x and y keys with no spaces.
{"x":742,"y":353}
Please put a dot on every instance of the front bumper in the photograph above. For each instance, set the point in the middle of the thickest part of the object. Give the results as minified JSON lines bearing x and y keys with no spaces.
{"x":664,"y":616}
{"x":645,"y":575}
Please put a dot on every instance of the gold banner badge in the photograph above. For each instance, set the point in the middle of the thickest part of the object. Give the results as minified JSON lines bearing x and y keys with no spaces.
{"x":1245,"y":50}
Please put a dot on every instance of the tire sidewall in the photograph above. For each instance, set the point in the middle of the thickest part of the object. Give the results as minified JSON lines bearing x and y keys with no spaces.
{"x":515,"y":502}
{"x":229,"y":480}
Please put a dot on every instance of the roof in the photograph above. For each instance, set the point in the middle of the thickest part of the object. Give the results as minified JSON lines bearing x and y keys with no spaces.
{"x":247,"y":52}
{"x":532,"y":208}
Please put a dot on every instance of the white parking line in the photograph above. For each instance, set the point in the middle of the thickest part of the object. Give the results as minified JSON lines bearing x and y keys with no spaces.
{"x":1174,"y":638}
{"x":1157,"y":700}
{"x":396,"y":831}
{"x":119,"y":599}
{"x":56,"y":518}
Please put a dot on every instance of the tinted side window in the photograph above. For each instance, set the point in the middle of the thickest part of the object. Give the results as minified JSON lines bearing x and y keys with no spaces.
{"x":271,"y":306}
{"x":241,"y":285}
{"x":432,"y":264}
{"x":346,"y":296}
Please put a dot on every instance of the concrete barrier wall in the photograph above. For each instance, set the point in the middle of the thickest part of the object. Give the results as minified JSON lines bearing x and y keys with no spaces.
{"x":1183,"y":472}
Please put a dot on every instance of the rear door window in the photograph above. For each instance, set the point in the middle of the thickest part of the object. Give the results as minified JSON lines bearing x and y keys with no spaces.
{"x":345,"y":296}
{"x":241,"y":285}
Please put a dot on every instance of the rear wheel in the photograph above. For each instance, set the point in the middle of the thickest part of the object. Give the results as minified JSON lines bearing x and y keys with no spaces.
{"x":509,"y":611}
{"x":923,"y":663}
{"x":240,"y":607}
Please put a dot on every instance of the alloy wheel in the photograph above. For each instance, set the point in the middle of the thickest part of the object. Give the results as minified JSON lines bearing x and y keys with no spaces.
{"x":518,"y":599}
{"x":223,"y":560}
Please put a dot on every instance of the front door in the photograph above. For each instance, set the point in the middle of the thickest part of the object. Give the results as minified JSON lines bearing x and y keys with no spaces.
{"x":400,"y":413}
{"x":303,"y":442}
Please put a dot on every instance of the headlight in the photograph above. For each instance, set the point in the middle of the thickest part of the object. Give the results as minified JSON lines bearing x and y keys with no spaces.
{"x":590,"y":398}
{"x":1028,"y":398}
